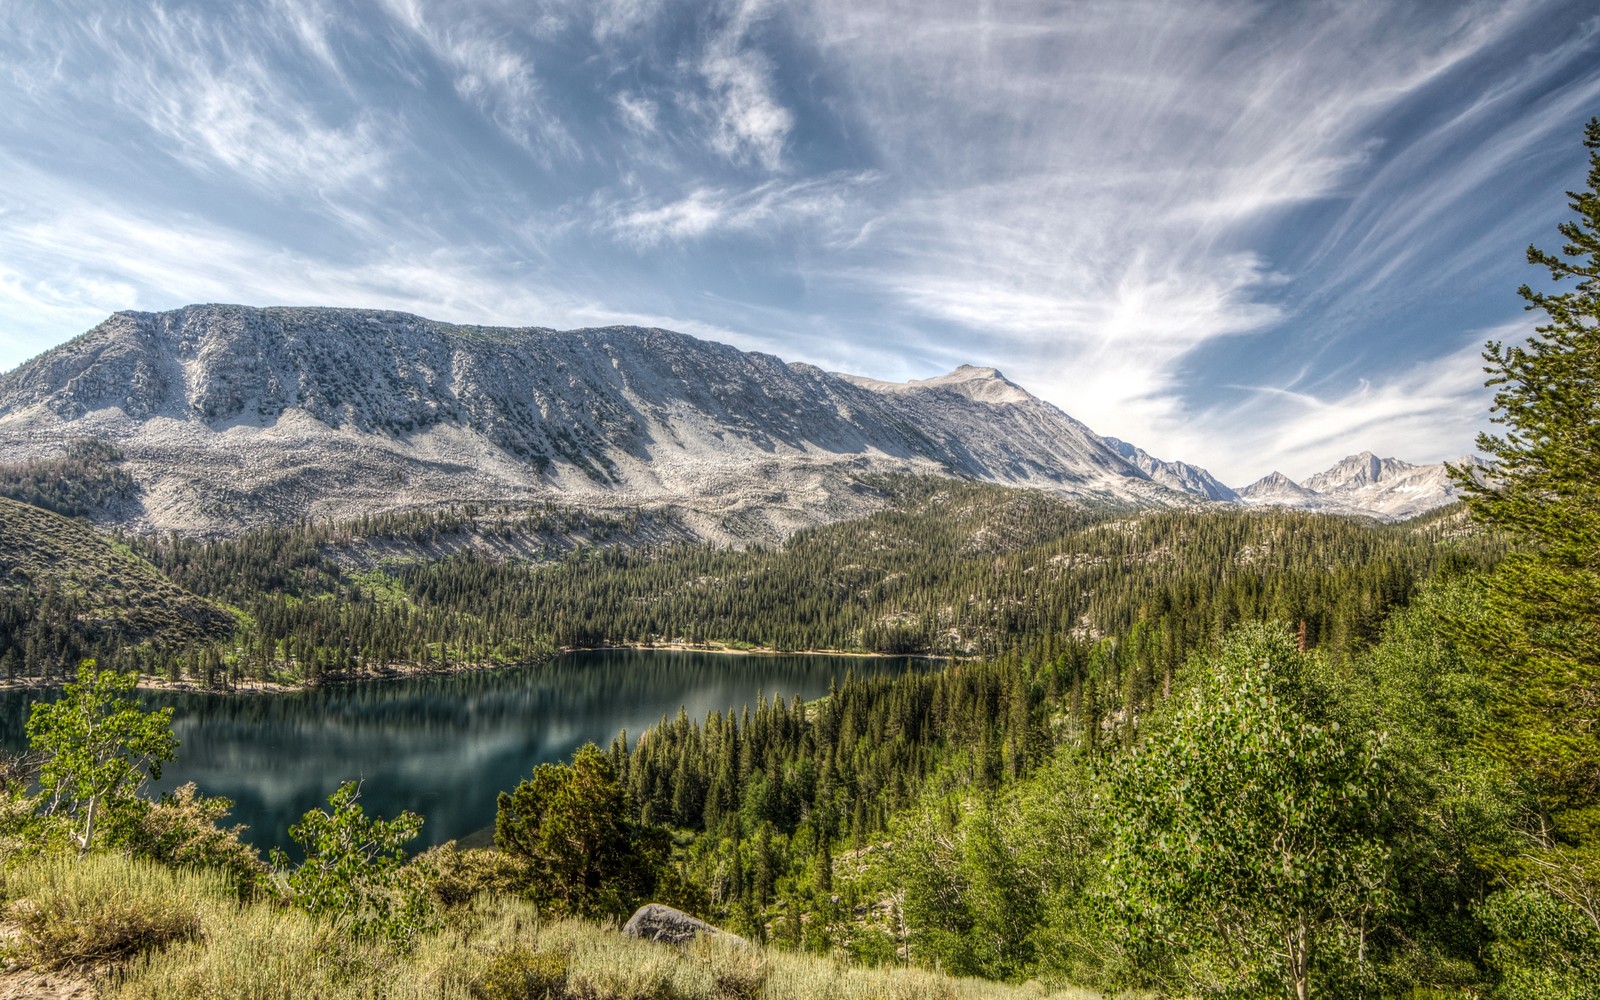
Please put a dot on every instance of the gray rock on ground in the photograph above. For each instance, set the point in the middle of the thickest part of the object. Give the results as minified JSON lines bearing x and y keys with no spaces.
{"x":656,"y":922}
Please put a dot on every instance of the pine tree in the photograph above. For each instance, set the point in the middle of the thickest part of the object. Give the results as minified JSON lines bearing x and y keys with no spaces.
{"x":1541,"y":631}
{"x":1537,"y":634}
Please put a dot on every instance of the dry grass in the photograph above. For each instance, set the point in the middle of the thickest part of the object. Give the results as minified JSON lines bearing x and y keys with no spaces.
{"x":100,"y":910}
{"x":178,"y":934}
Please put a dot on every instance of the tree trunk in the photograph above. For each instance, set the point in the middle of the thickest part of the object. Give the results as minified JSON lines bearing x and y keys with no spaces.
{"x":88,"y":827}
{"x":1300,"y":960}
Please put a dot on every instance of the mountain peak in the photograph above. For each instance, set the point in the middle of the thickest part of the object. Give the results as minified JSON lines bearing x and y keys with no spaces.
{"x":1275,"y":487}
{"x":233,"y":415}
{"x":980,"y":384}
{"x":1358,"y":471}
{"x":1179,"y":476}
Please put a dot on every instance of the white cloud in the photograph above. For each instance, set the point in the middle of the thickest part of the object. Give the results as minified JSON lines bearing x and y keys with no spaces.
{"x":209,"y":95}
{"x":637,"y":112}
{"x":104,"y":257}
{"x":749,"y":122}
{"x":491,"y":74}
{"x":1425,"y":412}
{"x":1087,"y":192}
{"x":705,"y":212}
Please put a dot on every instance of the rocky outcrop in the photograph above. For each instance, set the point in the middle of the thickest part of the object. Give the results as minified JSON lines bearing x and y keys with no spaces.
{"x":658,"y":922}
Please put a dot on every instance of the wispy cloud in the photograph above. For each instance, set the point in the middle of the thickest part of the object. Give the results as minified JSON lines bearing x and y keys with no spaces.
{"x":1404,"y":412}
{"x":1134,"y":207}
{"x":769,"y":207}
{"x":491,"y":74}
{"x":749,"y":123}
{"x":209,"y":97}
{"x":1099,"y":190}
{"x":637,"y":112}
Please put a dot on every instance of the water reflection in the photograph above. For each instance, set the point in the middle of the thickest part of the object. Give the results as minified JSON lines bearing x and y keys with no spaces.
{"x":445,"y":746}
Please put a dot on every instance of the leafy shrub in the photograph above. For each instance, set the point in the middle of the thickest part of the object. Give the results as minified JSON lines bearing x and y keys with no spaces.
{"x":99,"y":909}
{"x":524,"y":974}
{"x":182,"y":830}
{"x":355,"y":871}
{"x":1542,"y":946}
{"x":456,"y":877}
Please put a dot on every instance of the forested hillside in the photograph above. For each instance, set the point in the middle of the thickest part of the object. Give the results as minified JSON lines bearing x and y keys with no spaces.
{"x":68,"y":591}
{"x":950,"y":568}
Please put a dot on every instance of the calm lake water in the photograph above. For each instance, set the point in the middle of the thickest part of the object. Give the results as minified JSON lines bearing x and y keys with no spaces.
{"x":445,"y":746}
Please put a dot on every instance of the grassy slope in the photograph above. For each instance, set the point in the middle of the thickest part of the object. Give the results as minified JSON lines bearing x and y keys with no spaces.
{"x":114,"y":593}
{"x":162,"y":933}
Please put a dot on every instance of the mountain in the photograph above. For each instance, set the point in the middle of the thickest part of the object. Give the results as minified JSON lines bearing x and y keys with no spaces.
{"x":1180,"y":476}
{"x":227,"y":416}
{"x":1364,"y":484}
{"x":1277,"y":488}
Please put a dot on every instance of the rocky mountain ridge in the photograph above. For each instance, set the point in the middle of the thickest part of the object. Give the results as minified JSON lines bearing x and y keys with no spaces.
{"x":1363,"y":484}
{"x":231,"y":416}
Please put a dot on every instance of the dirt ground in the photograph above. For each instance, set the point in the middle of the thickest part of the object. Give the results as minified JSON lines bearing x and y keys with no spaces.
{"x":28,"y":984}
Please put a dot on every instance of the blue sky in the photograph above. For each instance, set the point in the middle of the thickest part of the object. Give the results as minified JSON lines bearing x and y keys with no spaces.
{"x":1248,"y":235}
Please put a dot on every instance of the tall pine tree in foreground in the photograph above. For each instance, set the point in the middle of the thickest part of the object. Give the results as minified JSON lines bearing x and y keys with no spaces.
{"x":1538,"y":634}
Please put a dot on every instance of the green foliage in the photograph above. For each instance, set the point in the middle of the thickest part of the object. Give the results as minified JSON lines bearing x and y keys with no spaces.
{"x":1245,"y":845}
{"x":1537,"y":638}
{"x":86,"y":481}
{"x":183,"y":829}
{"x":1541,"y":638}
{"x":354,"y":869}
{"x":69,"y":593}
{"x":570,"y":823}
{"x":948,"y":567}
{"x":996,"y":886}
{"x":1451,"y":817}
{"x":96,"y":747}
{"x":455,"y":877}
{"x":1542,"y":947}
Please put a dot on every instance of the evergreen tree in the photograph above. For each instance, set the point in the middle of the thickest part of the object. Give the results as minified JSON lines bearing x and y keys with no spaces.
{"x":1543,"y":633}
{"x":1538,"y":632}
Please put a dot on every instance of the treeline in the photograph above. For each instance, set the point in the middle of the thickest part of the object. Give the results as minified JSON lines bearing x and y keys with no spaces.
{"x":951,"y":568}
{"x":86,"y":481}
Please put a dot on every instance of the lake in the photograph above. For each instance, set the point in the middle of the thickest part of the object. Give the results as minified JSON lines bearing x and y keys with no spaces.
{"x":444,"y":746}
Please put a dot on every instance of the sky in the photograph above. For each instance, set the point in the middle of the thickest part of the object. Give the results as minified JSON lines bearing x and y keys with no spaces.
{"x":1248,"y":235}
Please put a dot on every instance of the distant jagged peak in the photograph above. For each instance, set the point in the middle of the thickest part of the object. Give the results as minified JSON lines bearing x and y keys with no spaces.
{"x":1357,"y":471}
{"x":1176,"y":475}
{"x":980,"y":384}
{"x":1275,"y":486}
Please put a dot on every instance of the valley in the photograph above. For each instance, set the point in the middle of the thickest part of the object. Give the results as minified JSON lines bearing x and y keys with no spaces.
{"x":499,"y":551}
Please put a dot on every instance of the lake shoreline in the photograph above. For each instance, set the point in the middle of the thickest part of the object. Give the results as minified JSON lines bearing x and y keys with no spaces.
{"x":407,"y":671}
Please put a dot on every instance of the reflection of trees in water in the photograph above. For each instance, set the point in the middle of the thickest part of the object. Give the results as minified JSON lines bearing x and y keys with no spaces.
{"x":445,"y":745}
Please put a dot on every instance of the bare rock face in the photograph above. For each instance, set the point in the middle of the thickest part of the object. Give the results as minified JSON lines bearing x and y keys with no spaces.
{"x":232,"y":417}
{"x":657,"y":922}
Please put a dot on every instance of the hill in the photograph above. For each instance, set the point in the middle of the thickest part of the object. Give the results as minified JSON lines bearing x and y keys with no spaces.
{"x":67,"y":591}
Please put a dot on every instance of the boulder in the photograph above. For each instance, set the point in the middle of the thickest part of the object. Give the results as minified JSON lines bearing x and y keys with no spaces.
{"x":655,"y":922}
